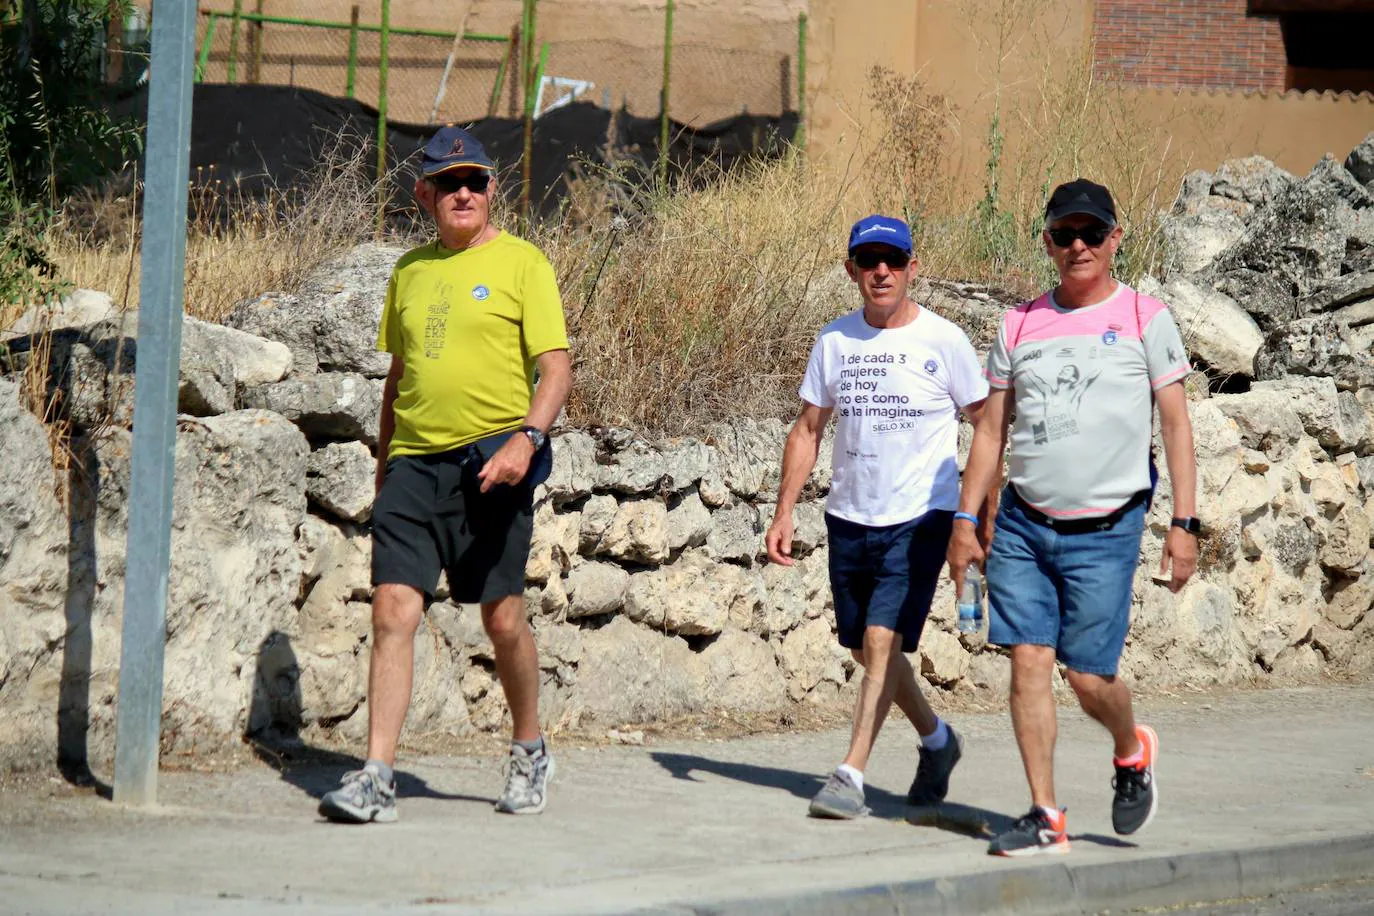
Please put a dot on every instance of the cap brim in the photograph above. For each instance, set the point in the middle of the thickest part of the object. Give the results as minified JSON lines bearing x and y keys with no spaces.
{"x":430,"y":171}
{"x":1077,"y":209}
{"x":905,"y":251}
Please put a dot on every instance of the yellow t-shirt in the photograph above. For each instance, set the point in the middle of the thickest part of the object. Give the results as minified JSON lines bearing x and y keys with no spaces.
{"x":468,"y":325}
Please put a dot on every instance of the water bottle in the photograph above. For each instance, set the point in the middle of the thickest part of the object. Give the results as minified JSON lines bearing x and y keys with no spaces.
{"x":971,"y":601}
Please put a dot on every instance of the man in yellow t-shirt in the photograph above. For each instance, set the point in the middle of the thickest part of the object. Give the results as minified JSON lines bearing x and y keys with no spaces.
{"x":464,"y":440}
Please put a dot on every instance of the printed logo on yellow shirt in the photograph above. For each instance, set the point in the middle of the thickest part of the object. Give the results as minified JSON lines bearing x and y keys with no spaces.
{"x":480,"y":292}
{"x":436,"y":323}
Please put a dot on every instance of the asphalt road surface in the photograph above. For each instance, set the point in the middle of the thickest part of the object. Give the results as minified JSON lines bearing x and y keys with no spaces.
{"x":1331,"y":900}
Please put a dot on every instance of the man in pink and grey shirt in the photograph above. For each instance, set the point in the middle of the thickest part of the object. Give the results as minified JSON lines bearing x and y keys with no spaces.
{"x":1082,"y":368}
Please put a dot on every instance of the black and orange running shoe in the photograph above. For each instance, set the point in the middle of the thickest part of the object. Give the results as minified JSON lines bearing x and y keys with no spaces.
{"x":1137,"y":796}
{"x":1035,"y":833}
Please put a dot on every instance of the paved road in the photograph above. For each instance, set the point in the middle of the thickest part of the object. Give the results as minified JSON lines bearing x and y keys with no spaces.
{"x":701,"y":823}
{"x":1332,"y":900}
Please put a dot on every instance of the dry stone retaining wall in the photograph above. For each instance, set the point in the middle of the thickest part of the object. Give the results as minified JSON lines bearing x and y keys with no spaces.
{"x":647,"y":585}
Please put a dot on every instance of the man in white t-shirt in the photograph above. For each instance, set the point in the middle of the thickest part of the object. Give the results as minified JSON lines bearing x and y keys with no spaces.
{"x":896,"y":377}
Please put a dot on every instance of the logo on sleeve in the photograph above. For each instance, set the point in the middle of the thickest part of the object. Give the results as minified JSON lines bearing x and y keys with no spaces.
{"x":480,"y":292}
{"x":932,"y":366}
{"x":1109,"y":338}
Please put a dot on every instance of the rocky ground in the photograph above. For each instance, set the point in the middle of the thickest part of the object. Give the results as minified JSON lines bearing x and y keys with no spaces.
{"x":647,"y":585}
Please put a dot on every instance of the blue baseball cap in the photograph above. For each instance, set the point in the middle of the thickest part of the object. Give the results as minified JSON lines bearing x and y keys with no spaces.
{"x":881,"y":230}
{"x":451,"y":148}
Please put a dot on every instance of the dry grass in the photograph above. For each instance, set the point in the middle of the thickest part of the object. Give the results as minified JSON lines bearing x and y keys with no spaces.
{"x":697,"y":302}
{"x":703,"y":303}
{"x":237,"y":244}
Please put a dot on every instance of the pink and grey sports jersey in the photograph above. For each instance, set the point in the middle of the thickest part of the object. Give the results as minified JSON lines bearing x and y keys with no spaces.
{"x":1083,"y":383}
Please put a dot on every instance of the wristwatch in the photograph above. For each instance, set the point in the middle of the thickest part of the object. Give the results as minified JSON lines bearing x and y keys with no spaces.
{"x":536,"y":436}
{"x":1191,"y":525}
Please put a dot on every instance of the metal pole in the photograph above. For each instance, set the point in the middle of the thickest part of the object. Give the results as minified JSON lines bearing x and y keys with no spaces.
{"x":352,"y":50}
{"x":204,"y":60}
{"x":234,"y":18}
{"x":365,"y":27}
{"x":663,"y":93}
{"x":527,"y":34}
{"x":256,"y":36}
{"x":383,"y":59}
{"x":801,"y":81}
{"x":114,"y":43}
{"x":506,"y":63}
{"x":163,"y":265}
{"x":448,"y":65}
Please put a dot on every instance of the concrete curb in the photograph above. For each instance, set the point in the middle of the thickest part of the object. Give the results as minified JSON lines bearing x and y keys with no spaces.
{"x":1062,"y":887}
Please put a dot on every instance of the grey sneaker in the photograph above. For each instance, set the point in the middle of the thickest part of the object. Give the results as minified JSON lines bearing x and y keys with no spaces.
{"x":361,"y":798}
{"x":839,"y":798}
{"x":527,"y":781}
{"x":931,"y":784}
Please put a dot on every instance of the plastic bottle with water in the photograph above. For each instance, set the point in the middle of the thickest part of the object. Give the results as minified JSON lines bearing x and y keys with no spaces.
{"x":971,"y":601}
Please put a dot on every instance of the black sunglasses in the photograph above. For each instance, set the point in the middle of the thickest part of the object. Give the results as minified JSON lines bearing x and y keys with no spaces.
{"x":476,"y":182}
{"x":867,"y":260}
{"x":1092,"y":236}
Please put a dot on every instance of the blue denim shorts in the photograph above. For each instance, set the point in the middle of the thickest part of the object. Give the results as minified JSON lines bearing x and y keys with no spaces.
{"x":1070,"y":591}
{"x":886,"y":576}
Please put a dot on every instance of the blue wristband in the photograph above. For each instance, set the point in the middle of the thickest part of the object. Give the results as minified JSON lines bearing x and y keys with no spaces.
{"x":964,"y":516}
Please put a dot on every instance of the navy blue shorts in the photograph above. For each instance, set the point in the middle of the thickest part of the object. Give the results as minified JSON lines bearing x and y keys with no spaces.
{"x":886,"y":576}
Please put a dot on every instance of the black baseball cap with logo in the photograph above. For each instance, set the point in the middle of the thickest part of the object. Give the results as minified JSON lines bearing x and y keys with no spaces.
{"x":452,"y":148}
{"x":1081,"y":196}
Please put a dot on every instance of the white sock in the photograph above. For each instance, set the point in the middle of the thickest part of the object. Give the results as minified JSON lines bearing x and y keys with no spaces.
{"x":938,"y":738}
{"x":852,"y":773}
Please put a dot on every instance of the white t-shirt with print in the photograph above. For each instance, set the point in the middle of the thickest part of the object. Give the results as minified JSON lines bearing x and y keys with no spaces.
{"x":896,"y":393}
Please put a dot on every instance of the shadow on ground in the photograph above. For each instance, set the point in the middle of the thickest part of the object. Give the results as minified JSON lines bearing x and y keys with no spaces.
{"x":982,"y":824}
{"x":953,"y":817}
{"x":802,"y":785}
{"x":273,"y":733}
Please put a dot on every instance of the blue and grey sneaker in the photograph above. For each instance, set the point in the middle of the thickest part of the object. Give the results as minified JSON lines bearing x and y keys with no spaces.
{"x":361,"y":798}
{"x":527,"y":781}
{"x":840,"y":798}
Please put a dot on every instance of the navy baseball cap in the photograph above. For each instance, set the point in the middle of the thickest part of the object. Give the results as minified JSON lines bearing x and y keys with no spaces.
{"x":881,"y":230}
{"x":451,"y":148}
{"x":1081,"y":196}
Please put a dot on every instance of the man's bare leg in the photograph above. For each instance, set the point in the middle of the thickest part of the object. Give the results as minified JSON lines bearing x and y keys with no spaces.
{"x":876,"y":692}
{"x":909,"y":697}
{"x":1108,"y":700}
{"x":517,"y":662}
{"x":396,"y":614}
{"x":1033,"y":717}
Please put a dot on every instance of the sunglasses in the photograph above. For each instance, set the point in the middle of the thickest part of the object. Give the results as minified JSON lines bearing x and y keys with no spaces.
{"x":867,"y":260}
{"x":475,"y":182}
{"x":1092,"y":236}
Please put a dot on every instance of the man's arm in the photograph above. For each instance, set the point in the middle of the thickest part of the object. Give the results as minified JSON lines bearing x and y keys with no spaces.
{"x":987,"y":512}
{"x":981,"y":475}
{"x":386,"y":426}
{"x":798,"y":458}
{"x":511,"y":462}
{"x":1180,"y":547}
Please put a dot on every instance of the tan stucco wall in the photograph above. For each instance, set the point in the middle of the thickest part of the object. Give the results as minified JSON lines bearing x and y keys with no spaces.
{"x":728,"y":56}
{"x":953,"y":46}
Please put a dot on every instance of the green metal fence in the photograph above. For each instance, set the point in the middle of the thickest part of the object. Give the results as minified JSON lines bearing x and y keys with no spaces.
{"x":427,"y":76}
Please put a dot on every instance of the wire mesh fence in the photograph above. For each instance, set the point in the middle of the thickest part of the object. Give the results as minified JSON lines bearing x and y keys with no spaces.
{"x":433,"y":79}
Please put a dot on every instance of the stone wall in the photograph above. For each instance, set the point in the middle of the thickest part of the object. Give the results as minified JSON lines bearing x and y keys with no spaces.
{"x":647,"y":585}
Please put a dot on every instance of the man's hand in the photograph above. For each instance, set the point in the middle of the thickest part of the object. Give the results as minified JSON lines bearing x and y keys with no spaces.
{"x":779,"y":539}
{"x":1180,"y":552}
{"x":987,"y":527}
{"x":510,"y":464}
{"x":963,"y":550}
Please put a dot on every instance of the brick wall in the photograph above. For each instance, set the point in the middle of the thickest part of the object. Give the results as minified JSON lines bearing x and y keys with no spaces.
{"x":1205,"y":44}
